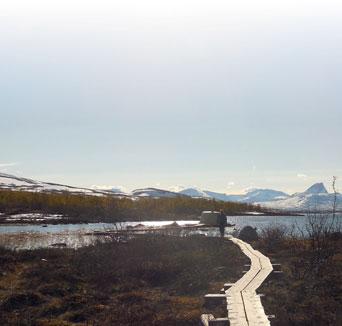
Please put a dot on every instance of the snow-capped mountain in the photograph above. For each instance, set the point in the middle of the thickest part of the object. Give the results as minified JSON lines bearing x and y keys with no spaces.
{"x":117,"y":190}
{"x":194,"y":192}
{"x":154,"y":193}
{"x":11,"y":182}
{"x":317,"y":188}
{"x":314,"y":198}
{"x":263,"y":195}
{"x":222,"y":196}
{"x":110,"y":189}
{"x":255,"y":195}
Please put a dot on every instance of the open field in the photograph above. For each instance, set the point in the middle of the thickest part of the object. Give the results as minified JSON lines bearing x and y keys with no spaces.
{"x":150,"y":280}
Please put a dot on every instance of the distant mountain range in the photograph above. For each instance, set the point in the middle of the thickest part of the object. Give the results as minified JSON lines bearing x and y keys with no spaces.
{"x":255,"y":195}
{"x":12,"y":182}
{"x":154,"y":192}
{"x":315,"y":197}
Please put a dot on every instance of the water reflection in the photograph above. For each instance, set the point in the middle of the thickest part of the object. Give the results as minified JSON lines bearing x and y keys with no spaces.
{"x":78,"y":235}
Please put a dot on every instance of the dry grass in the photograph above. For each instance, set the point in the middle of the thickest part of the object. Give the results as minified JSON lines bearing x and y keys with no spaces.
{"x":310,"y":291}
{"x":151,"y":280}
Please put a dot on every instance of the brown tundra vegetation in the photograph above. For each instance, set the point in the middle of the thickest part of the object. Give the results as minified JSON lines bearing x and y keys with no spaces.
{"x":309,"y":291}
{"x":149,"y":280}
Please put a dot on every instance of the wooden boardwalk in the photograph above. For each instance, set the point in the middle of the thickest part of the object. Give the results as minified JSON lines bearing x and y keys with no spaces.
{"x":243,"y":304}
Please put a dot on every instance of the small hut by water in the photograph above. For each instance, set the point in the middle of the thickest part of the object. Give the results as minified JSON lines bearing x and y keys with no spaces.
{"x":210,"y":218}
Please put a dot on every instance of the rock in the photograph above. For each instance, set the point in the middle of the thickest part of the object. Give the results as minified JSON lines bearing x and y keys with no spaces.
{"x":248,"y":234}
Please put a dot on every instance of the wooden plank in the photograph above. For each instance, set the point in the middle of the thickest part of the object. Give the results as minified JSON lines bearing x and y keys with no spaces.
{"x":244,"y":305}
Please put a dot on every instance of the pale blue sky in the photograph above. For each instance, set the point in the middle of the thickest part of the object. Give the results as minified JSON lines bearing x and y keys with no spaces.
{"x":223,"y":95}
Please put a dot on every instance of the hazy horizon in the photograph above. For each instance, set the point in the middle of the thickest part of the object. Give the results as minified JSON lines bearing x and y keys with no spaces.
{"x":178,"y":188}
{"x":221,"y":96}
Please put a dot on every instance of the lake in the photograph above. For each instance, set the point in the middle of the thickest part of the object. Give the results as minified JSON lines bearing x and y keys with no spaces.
{"x":78,"y":235}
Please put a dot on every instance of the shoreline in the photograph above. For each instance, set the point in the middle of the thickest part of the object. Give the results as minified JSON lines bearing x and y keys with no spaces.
{"x":4,"y":221}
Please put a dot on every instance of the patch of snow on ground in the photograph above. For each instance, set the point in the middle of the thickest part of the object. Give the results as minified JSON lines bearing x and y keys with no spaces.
{"x":34,"y":217}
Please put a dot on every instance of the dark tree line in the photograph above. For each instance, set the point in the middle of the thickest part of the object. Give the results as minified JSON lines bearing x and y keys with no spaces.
{"x":110,"y":208}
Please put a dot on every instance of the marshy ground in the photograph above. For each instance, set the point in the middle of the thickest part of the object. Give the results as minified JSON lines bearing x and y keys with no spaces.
{"x":161,"y":280}
{"x":149,"y":280}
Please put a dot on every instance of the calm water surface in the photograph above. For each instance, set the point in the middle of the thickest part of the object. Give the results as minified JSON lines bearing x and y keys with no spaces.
{"x":78,"y":235}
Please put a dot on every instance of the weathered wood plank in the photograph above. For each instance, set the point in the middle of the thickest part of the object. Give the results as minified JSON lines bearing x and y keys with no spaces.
{"x":244,"y":305}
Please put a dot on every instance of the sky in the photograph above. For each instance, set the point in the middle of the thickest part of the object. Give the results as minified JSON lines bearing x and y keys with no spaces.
{"x":220,"y":95}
